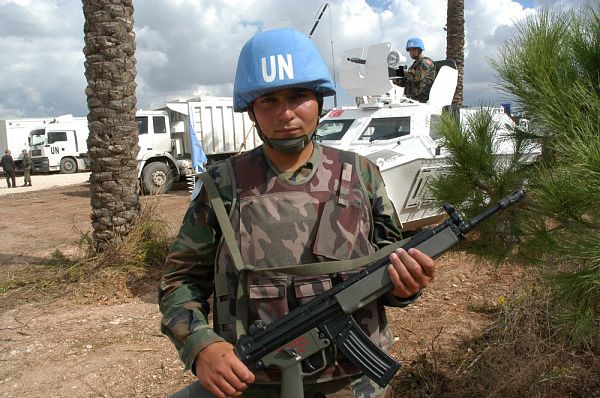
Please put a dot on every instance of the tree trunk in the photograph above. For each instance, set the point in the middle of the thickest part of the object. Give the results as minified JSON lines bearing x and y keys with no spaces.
{"x":455,"y":43}
{"x":110,"y":71}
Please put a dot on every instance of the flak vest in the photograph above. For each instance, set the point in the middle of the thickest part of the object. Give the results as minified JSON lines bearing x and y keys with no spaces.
{"x":278,"y":223}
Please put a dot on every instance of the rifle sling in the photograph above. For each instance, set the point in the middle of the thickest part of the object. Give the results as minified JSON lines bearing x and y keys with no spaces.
{"x":241,"y":320}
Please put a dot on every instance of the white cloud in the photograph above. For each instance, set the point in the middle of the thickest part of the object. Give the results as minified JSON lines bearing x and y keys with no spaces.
{"x":190,"y":47}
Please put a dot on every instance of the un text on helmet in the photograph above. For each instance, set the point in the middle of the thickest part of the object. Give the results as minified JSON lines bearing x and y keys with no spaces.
{"x":278,"y":67}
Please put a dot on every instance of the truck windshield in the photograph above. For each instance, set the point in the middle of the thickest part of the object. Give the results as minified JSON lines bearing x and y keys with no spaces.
{"x":332,"y":129}
{"x":37,"y":137}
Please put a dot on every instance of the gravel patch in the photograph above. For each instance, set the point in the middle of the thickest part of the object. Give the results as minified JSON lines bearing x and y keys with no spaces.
{"x":43,"y":181}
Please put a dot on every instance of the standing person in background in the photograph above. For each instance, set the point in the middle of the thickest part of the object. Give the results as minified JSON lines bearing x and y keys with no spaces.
{"x":419,"y":77}
{"x":8,"y":164}
{"x":26,"y":164}
{"x":288,"y":202}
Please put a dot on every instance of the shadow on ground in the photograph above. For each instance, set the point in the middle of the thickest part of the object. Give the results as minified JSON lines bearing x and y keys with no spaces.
{"x":10,"y":258}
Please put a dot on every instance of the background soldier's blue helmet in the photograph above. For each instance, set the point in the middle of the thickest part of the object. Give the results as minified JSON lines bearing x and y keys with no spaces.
{"x":415,"y":42}
{"x":278,"y":59}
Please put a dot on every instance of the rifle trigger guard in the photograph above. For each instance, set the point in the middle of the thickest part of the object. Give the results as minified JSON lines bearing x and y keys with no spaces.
{"x":309,"y":365}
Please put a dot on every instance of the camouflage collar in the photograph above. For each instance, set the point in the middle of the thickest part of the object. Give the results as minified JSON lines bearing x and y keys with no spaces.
{"x":302,"y":173}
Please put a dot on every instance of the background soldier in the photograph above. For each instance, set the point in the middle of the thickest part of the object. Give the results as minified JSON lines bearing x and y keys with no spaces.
{"x":8,"y":165}
{"x":26,"y":164}
{"x":289,"y":201}
{"x":420,"y":75}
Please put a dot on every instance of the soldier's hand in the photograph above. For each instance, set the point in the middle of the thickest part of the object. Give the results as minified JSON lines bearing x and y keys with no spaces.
{"x":221,"y":372}
{"x":410,"y":272}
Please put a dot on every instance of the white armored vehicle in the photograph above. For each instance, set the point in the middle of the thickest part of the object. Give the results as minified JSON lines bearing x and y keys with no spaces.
{"x":395,"y":132}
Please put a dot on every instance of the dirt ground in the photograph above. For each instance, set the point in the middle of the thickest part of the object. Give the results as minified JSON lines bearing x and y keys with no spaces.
{"x":105,"y":341}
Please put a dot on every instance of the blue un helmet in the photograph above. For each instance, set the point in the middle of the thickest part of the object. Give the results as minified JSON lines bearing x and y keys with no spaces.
{"x":278,"y":59}
{"x":415,"y":42}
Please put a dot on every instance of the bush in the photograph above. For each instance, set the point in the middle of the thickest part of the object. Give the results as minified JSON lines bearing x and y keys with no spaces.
{"x":486,"y":161}
{"x":551,"y":67}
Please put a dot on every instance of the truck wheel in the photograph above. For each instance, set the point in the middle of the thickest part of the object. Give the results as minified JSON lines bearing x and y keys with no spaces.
{"x":68,"y":166}
{"x":157,"y":178}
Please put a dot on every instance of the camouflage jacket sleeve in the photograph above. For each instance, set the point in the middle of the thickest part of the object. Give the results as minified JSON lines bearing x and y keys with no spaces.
{"x":187,"y":281}
{"x":420,"y":69}
{"x":386,"y":224}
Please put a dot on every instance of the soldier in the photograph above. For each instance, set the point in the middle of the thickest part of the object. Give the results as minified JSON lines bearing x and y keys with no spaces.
{"x":419,"y":77}
{"x":8,"y":165}
{"x":26,"y":164}
{"x":289,"y":201}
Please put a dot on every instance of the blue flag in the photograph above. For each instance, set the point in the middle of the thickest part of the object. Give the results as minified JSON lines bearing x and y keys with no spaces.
{"x":198,"y":155}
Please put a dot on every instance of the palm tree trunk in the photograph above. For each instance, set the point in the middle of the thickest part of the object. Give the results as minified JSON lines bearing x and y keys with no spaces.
{"x":110,"y":71}
{"x":455,"y":43}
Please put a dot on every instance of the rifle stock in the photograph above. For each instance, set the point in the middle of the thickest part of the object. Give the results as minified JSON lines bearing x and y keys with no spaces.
{"x":327,"y":319}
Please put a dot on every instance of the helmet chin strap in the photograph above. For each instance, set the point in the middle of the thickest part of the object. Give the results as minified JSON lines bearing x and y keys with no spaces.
{"x":283,"y":145}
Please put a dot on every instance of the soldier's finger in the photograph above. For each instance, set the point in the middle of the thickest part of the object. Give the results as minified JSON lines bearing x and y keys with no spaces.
{"x":426,"y":262}
{"x":412,"y":265}
{"x":224,"y":388}
{"x":242,"y":372}
{"x":406,"y":280}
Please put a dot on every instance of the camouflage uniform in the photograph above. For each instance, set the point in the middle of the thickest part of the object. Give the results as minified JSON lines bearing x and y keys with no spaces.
{"x":419,"y":78}
{"x":334,"y":207}
{"x":26,"y":164}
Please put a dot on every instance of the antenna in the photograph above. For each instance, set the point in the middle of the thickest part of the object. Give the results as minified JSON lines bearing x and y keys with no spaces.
{"x":318,"y":17}
{"x":320,"y":13}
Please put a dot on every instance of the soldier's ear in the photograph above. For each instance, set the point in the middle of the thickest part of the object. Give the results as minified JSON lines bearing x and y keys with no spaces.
{"x":251,"y":114}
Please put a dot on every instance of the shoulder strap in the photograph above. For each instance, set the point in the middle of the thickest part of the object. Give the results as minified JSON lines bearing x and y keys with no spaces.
{"x":229,"y":236}
{"x":223,"y":219}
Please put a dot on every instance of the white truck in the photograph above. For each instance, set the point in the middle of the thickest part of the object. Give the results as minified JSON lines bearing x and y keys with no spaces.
{"x":14,"y":135}
{"x":61,"y":145}
{"x":165,"y":138}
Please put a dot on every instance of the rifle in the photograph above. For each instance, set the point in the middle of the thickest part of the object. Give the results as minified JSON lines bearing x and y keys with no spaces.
{"x":327,"y":319}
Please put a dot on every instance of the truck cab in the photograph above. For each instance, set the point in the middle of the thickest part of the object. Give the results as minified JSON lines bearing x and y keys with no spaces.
{"x":169,"y":135}
{"x":60,"y":146}
{"x":160,"y":159}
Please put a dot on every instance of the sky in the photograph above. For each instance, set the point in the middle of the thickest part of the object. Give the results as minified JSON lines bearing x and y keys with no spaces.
{"x":189,"y":48}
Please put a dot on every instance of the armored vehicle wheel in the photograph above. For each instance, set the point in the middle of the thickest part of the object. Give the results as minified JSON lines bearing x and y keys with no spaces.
{"x":157,"y":178}
{"x":68,"y":166}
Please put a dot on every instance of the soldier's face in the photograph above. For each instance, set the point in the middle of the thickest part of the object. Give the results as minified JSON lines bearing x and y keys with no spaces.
{"x":413,"y":52}
{"x":286,"y":113}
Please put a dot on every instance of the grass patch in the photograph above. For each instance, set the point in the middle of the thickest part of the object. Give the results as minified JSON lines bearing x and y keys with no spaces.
{"x":526,"y":354}
{"x":129,"y":261}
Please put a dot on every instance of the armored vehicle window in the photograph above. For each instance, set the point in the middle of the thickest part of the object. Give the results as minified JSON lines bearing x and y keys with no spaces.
{"x":55,"y":136}
{"x":159,"y":125}
{"x":434,"y":127}
{"x":332,"y":129}
{"x":142,"y":124}
{"x":386,"y":128}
